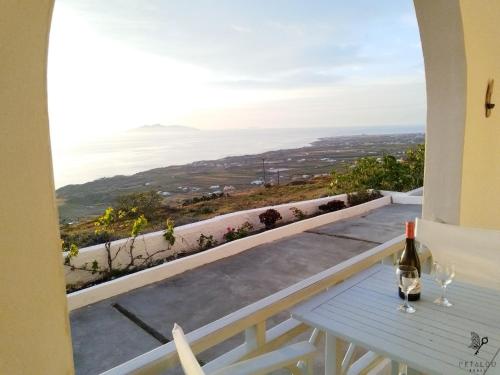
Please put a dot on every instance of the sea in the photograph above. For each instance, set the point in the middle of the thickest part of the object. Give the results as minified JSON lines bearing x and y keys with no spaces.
{"x":140,"y":150}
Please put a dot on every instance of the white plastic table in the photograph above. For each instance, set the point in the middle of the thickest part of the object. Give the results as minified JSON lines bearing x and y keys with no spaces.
{"x":434,"y":340}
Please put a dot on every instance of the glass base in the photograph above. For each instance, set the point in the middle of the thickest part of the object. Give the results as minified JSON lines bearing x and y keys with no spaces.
{"x":442,"y":301}
{"x":406,"y":309}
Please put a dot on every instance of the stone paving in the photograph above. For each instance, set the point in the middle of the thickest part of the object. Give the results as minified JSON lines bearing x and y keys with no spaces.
{"x":104,"y":334}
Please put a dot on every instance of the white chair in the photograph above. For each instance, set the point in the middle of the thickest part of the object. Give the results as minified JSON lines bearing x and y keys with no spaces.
{"x":474,"y":252}
{"x":283,"y":358}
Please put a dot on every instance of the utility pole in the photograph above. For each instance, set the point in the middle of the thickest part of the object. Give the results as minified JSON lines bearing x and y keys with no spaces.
{"x":264,"y":170}
{"x":278,"y":176}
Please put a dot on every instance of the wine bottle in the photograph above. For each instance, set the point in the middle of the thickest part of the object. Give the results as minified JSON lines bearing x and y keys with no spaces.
{"x":409,"y":257}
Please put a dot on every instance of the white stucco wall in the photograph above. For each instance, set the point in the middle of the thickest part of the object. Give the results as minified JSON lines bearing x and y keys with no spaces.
{"x":462,"y":161}
{"x":441,"y":33}
{"x":34,"y":325}
{"x":480,"y":198}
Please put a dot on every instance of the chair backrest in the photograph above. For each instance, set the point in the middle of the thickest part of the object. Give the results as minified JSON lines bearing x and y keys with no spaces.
{"x":475,"y":252}
{"x":188,"y":361}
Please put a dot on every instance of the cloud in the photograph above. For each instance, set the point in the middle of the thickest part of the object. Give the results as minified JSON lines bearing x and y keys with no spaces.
{"x":249,"y":38}
{"x":241,"y":29}
{"x":295,"y":79}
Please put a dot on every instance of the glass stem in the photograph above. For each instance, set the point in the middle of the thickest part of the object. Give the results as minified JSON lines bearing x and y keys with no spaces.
{"x":443,"y":296}
{"x":406,"y":300}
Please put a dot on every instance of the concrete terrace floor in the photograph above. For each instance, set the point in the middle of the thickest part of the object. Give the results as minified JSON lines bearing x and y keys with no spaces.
{"x":104,"y":334}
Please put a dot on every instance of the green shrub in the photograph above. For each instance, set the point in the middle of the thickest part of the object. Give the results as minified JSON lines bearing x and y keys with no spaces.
{"x":206,"y":242}
{"x":205,"y":210}
{"x":237,"y":233}
{"x":269,"y":218}
{"x":203,"y":198}
{"x":362,"y":196}
{"x":415,"y":161}
{"x":145,"y":203}
{"x":298,"y":213}
{"x":168,"y":233}
{"x":333,"y":205}
{"x":386,"y":173}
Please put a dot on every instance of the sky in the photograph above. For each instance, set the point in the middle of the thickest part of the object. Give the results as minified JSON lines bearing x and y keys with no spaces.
{"x":120,"y":64}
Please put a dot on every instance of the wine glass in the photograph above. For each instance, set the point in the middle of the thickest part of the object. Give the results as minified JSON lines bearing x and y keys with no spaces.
{"x":443,"y":274}
{"x":408,"y":280}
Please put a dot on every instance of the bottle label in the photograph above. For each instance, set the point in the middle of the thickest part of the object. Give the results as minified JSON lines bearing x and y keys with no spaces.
{"x":417,"y":289}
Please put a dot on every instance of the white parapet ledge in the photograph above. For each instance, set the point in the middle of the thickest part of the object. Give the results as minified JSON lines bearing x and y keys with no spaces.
{"x":414,"y":196}
{"x":407,"y":199}
{"x":417,"y":192}
{"x":164,"y":271}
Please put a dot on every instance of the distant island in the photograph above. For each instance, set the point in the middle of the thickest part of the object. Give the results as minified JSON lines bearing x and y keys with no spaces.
{"x":160,"y":127}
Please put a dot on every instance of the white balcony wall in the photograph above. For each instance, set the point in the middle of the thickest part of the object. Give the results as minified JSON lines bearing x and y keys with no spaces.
{"x":186,"y":237}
